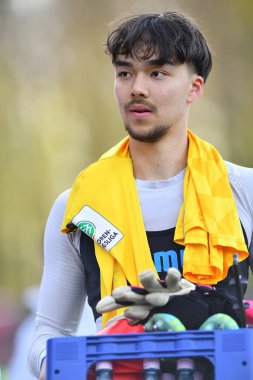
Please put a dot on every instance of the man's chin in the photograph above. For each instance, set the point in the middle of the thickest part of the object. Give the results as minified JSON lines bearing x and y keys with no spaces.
{"x":144,"y":139}
{"x":149,"y":136}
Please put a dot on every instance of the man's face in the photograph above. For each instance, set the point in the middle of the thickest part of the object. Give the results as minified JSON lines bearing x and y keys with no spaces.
{"x":154,"y":96}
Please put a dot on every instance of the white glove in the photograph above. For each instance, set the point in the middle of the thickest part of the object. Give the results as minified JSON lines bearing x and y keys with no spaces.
{"x":140,"y":301}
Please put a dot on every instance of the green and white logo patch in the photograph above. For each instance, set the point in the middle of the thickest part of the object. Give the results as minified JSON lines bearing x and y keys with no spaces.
{"x":87,"y":227}
{"x":97,"y":227}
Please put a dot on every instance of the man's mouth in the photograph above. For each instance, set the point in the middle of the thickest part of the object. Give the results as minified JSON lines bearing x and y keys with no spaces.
{"x":139,"y":108}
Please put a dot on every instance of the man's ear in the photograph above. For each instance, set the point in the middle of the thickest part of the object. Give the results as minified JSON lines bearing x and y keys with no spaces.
{"x":196,"y":89}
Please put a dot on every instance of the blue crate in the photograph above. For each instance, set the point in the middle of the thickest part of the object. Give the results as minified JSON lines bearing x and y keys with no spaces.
{"x":230,"y":351}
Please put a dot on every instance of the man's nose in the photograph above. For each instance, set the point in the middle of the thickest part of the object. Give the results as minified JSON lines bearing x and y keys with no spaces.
{"x":140,"y":87}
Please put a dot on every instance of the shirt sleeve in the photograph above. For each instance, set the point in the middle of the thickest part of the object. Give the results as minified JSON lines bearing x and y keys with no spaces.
{"x":247,"y":176}
{"x":62,"y":291}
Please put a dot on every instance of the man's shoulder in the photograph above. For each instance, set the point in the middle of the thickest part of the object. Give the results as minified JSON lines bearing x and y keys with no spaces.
{"x":61,"y":201}
{"x":63,"y":197}
{"x":237,"y":172}
{"x":241,"y":180}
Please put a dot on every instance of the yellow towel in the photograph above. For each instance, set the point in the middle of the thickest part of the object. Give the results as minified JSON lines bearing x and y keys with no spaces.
{"x":104,"y":204}
{"x":208,"y":224}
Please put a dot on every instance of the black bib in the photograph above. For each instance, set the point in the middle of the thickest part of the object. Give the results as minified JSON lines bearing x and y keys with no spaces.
{"x":165,"y":254}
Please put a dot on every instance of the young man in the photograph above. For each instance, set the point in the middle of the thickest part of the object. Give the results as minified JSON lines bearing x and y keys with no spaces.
{"x":161,"y":198}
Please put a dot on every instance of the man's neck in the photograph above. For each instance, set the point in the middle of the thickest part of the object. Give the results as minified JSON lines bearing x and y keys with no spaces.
{"x":161,"y":160}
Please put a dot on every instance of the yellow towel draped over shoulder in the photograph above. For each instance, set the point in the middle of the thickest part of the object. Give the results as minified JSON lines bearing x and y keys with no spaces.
{"x":208,"y":223}
{"x":104,"y":204}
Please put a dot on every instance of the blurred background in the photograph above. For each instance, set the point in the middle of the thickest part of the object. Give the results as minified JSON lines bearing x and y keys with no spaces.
{"x":58,"y":114}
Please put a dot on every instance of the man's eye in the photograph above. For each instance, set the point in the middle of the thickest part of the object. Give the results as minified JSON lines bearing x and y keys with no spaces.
{"x":123,"y":74}
{"x":158,"y":74}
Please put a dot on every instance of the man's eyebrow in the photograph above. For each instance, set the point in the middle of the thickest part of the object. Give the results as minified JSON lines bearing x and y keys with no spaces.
{"x":148,"y":62}
{"x":159,"y":62}
{"x":119,"y":62}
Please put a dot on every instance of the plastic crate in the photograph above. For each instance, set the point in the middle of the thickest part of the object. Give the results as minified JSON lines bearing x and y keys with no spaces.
{"x":230,"y":351}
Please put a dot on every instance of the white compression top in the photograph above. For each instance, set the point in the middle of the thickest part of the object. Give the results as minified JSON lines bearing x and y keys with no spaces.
{"x":62,"y":292}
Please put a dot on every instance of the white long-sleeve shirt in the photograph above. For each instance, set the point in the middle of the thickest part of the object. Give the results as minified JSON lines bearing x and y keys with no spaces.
{"x":63,"y":291}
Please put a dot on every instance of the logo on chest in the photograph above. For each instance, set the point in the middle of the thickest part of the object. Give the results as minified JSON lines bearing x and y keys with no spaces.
{"x":164,"y":260}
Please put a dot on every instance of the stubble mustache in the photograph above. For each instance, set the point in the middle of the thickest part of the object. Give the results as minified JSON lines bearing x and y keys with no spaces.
{"x":143,"y":102}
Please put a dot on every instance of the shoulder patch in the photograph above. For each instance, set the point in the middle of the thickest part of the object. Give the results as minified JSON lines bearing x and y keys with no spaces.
{"x":97,"y":227}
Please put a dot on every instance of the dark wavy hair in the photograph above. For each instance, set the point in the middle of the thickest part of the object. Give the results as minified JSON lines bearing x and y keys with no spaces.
{"x":171,"y":36}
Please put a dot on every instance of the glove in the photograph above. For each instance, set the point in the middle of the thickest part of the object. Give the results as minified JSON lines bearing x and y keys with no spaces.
{"x":140,"y":301}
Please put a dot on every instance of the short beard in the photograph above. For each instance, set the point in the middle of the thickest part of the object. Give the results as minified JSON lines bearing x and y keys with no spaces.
{"x":151,"y":136}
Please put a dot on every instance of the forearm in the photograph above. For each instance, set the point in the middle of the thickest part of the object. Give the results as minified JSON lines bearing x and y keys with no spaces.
{"x":62,"y":292}
{"x":58,"y":315}
{"x":37,"y":350}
